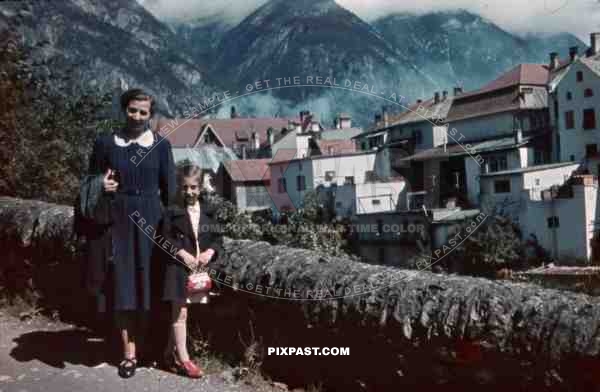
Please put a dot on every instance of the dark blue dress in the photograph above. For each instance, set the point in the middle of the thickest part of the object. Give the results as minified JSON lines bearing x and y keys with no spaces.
{"x":146,"y":188}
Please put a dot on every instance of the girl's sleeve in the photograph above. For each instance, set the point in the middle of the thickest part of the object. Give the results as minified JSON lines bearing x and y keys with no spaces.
{"x":170,"y":236}
{"x":216,"y":242}
{"x":167,"y":184}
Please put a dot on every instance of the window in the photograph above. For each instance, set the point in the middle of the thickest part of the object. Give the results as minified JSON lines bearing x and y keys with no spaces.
{"x":579,"y":76}
{"x":588,"y":92}
{"x":349,"y":180}
{"x":376,"y":202}
{"x":502,"y":186}
{"x":538,"y":157}
{"x":537,"y":181}
{"x":281,"y":186}
{"x":329,"y":175}
{"x":418,"y":136}
{"x":589,"y":119}
{"x":569,"y":96}
{"x":569,"y":119}
{"x":572,"y":158}
{"x":338,"y":204}
{"x":553,"y":222}
{"x":591,"y":150}
{"x":300,"y":166}
{"x":300,"y":183}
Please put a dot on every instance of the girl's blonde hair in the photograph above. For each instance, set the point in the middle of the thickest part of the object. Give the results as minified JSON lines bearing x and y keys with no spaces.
{"x":193,"y":171}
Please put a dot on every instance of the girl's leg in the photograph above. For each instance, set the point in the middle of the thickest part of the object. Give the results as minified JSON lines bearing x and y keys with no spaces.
{"x":125,"y":323}
{"x":179,"y":329}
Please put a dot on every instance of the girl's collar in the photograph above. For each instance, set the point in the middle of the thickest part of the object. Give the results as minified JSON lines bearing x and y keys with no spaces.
{"x":146,"y":139}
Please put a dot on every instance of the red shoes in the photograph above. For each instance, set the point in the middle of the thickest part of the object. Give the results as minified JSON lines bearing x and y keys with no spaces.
{"x":187,"y":368}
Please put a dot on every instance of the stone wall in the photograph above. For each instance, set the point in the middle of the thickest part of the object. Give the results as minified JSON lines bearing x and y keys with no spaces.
{"x":403,"y":327}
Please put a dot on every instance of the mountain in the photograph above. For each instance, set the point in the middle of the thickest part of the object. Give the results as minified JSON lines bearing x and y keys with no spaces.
{"x":315,"y":38}
{"x":466,"y":48}
{"x":103,"y":42}
{"x":201,"y":36}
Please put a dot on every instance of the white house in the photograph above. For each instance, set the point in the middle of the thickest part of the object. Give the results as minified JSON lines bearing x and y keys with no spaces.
{"x":575,"y":104}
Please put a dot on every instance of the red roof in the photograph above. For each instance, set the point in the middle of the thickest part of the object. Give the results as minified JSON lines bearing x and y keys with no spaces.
{"x":529,"y":74}
{"x":185,"y":132}
{"x":335,"y":146}
{"x":248,"y":170}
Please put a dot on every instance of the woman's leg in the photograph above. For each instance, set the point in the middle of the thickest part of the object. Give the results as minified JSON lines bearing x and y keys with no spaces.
{"x":179,"y":330}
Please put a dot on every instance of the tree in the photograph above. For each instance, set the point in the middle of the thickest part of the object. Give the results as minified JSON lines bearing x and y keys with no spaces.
{"x":47,"y":124}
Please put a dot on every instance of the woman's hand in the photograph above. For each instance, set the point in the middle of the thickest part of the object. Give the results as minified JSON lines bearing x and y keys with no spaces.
{"x":109,"y":184}
{"x":204,"y":257}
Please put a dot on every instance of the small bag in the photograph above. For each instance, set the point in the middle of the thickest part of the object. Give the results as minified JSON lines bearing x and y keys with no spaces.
{"x":198,"y":282}
{"x":95,"y":205}
{"x":198,"y":287}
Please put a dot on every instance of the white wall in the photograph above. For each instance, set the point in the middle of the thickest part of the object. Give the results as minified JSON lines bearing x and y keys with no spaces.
{"x":571,"y":239}
{"x":344,"y":166}
{"x":390,"y":195}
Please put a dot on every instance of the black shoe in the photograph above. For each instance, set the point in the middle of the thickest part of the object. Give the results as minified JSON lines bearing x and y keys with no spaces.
{"x":127,"y":367}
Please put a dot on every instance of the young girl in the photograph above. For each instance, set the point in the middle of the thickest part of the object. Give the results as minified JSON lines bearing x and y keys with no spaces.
{"x":188,"y":228}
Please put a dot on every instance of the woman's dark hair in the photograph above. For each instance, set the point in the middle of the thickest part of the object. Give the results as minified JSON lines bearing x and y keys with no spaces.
{"x":137,"y":94}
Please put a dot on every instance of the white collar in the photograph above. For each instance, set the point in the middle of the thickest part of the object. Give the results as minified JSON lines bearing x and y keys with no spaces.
{"x":146,"y":139}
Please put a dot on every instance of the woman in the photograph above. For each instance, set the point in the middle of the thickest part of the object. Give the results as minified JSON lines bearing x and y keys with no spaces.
{"x":140,"y":179}
{"x":196,"y":242}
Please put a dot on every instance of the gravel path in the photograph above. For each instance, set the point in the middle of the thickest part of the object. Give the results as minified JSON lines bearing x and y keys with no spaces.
{"x":48,"y":356}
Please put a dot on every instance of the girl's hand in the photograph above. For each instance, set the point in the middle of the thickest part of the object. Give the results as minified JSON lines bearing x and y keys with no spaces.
{"x":188,"y":259}
{"x":204,"y":257}
{"x":108,"y":183}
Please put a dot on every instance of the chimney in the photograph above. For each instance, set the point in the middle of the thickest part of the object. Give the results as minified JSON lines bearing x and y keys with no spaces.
{"x":553,"y":60}
{"x":419,"y":101}
{"x":594,"y":43}
{"x":457,"y":91}
{"x":233,"y":112}
{"x":270,"y":136}
{"x":386,"y":118}
{"x":573,"y":50}
{"x":377,"y":118}
{"x":436,"y":97}
{"x":243,"y":151}
{"x":255,"y":140}
{"x":444,"y":95}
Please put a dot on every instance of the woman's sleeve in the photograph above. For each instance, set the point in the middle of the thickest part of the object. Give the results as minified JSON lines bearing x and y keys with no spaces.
{"x":168,"y":186}
{"x":97,"y":163}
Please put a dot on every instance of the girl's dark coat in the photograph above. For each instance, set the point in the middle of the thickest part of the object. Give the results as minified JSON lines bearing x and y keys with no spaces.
{"x":177,"y":229}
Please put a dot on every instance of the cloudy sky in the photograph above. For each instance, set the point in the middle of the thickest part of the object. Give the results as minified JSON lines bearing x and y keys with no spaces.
{"x":579,"y":17}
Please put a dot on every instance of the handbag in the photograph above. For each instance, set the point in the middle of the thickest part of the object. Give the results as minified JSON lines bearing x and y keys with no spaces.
{"x":198,"y":287}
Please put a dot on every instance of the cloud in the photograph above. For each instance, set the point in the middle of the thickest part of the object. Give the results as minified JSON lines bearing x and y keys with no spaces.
{"x":579,"y":17}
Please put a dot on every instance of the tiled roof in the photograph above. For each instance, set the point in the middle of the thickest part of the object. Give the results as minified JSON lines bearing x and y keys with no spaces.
{"x":530,"y":169}
{"x":501,"y":100}
{"x":248,"y":170}
{"x":424,"y":111}
{"x":593,"y":63}
{"x":336,"y":147}
{"x":490,"y":145}
{"x":524,"y":74}
{"x":339,"y":134}
{"x":186,"y":132}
